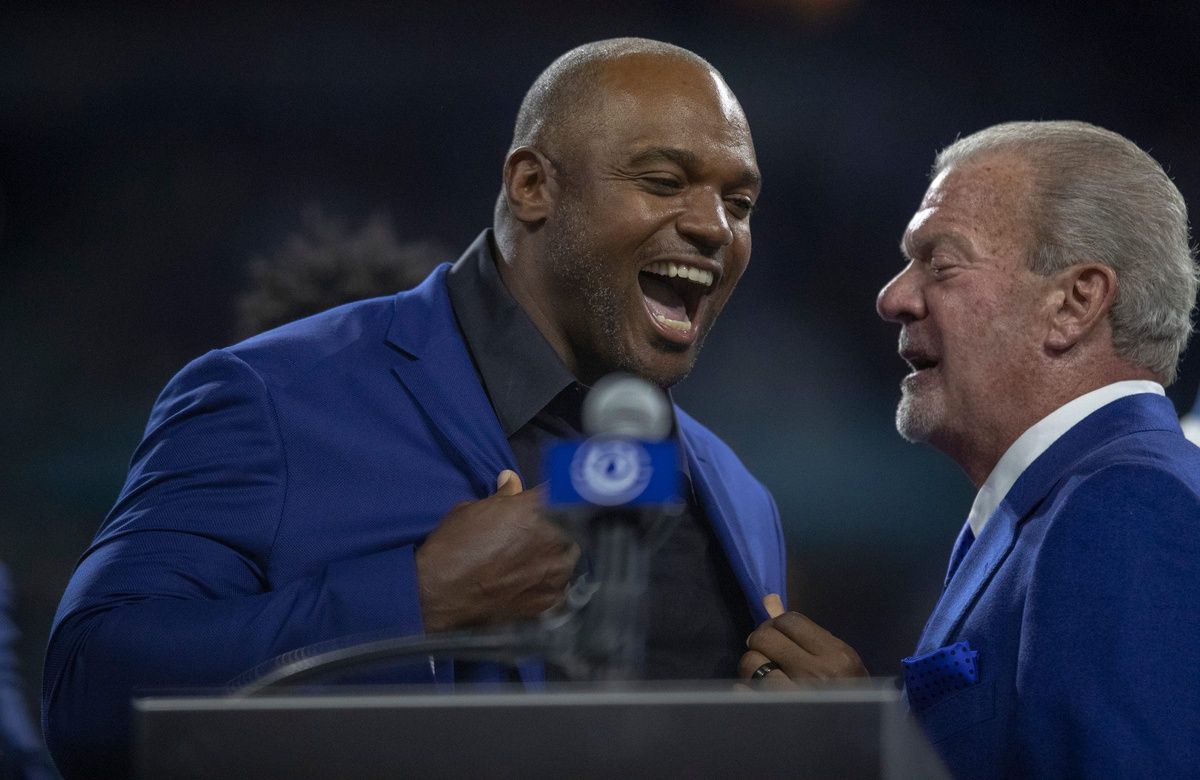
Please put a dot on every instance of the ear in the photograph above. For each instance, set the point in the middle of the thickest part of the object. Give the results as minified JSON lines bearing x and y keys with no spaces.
{"x":529,"y":184}
{"x":1083,"y":296}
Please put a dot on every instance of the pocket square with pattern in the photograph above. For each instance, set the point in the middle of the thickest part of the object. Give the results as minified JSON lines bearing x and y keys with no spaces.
{"x":930,"y":677}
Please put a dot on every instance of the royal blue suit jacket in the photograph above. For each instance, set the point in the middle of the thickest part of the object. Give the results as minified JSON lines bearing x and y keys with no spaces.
{"x":276,"y":499}
{"x":1082,"y":598}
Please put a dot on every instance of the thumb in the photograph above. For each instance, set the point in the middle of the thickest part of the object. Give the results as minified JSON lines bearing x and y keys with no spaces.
{"x":774,"y":605}
{"x":508,"y":483}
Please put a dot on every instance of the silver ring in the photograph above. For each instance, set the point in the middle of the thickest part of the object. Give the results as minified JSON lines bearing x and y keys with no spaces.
{"x":764,"y":670}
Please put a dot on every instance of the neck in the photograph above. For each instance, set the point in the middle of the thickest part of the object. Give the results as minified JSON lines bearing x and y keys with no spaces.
{"x":528,"y":294}
{"x":979,"y":453}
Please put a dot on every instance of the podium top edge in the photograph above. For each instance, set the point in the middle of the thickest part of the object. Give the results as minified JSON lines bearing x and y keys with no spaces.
{"x":565,"y":697}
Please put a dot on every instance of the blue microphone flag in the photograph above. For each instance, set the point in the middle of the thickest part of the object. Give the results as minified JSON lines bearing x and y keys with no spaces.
{"x":610,"y":471}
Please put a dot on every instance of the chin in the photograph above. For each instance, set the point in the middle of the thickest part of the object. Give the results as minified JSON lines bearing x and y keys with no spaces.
{"x":661,"y":367}
{"x":916,"y":421}
{"x":660,"y":374}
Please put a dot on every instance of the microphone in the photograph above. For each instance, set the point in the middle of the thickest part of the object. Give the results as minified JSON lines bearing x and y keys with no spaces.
{"x":627,"y":459}
{"x":617,"y":493}
{"x":626,"y":405}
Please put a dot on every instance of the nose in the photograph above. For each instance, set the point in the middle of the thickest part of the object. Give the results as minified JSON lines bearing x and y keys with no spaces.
{"x":901,"y":300}
{"x":704,"y":221}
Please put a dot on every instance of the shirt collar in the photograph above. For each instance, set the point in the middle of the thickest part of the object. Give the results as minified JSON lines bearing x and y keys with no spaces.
{"x":521,"y":372}
{"x":1038,"y":438}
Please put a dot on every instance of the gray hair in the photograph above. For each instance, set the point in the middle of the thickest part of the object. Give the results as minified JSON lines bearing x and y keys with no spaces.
{"x":1099,"y":198}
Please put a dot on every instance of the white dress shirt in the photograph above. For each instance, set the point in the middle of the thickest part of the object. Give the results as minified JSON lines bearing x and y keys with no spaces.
{"x":1038,"y":438}
{"x":1190,"y":423}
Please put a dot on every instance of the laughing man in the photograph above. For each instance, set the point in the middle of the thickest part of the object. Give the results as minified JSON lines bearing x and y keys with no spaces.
{"x":361,"y":470}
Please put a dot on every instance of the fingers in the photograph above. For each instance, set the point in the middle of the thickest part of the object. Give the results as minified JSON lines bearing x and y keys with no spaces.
{"x":804,"y":632}
{"x":773,"y":605}
{"x":749,"y":663}
{"x":752,"y":661}
{"x":838,"y":658}
{"x":508,"y":483}
{"x":805,"y":650}
{"x":793,"y":659}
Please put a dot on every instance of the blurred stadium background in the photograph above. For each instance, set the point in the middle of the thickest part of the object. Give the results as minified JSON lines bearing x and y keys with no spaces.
{"x":148,"y":155}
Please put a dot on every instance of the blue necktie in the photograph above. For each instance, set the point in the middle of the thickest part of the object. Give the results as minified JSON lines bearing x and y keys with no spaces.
{"x":965,"y":537}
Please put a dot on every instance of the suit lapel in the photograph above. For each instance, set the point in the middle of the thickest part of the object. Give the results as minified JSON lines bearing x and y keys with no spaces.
{"x":978,"y":565}
{"x":1125,"y":415}
{"x":435,"y":367}
{"x":713,"y":493}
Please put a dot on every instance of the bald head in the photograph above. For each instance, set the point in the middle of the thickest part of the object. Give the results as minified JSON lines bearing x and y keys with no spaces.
{"x":627,"y":155}
{"x":567,"y":102}
{"x":568,"y":94}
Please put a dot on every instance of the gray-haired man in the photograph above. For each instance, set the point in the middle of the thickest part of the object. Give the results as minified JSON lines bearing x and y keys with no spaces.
{"x":1045,"y":301}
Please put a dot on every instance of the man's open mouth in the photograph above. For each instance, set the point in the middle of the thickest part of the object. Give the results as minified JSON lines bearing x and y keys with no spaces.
{"x":918,"y":362}
{"x":673,"y":292}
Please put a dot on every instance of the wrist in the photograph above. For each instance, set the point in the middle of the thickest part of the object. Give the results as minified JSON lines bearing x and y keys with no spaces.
{"x":434,"y":616}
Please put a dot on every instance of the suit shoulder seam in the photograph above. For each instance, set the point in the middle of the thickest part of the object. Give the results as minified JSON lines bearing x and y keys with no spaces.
{"x":280,"y":443}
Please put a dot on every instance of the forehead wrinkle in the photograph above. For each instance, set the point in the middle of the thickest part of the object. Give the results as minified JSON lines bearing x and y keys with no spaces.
{"x":995,"y":194}
{"x":915,"y":243}
{"x":979,"y":206}
{"x":684,"y":158}
{"x":908,"y":244}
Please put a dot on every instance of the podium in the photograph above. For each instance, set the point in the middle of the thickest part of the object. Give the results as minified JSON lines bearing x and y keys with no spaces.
{"x":570,"y":731}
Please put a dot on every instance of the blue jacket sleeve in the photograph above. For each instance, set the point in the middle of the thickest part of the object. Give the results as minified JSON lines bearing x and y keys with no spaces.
{"x":1111,"y":634}
{"x":176,"y":590}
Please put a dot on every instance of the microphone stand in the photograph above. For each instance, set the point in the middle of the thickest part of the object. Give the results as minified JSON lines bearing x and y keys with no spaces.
{"x":599,"y":634}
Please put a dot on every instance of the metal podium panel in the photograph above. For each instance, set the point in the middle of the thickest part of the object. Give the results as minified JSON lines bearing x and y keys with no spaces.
{"x":570,"y":732}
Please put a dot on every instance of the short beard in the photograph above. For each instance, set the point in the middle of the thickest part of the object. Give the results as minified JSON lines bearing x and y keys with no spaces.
{"x":571,"y":259}
{"x":915,"y":420}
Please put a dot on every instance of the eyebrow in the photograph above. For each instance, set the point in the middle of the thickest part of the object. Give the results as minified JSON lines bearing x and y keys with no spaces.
{"x":687,"y":159}
{"x":911,"y":248}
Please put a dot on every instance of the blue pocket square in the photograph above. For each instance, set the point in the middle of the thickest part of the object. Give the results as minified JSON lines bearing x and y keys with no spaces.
{"x":930,"y":677}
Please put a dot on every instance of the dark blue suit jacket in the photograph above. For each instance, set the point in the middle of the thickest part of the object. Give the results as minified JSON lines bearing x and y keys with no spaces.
{"x":1082,"y":597}
{"x":276,"y":500}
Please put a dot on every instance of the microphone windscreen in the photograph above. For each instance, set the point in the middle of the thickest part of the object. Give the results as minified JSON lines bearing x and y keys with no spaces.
{"x":628,"y":406}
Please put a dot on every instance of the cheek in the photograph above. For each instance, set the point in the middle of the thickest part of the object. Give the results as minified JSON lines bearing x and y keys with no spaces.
{"x":620,"y":211}
{"x":743,"y":242}
{"x":969,"y":337}
{"x":989,"y":352}
{"x":737,"y":259}
{"x":730,"y":281}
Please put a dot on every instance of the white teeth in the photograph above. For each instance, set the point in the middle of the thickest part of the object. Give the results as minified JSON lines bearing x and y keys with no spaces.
{"x":691,"y":273}
{"x":670,"y":323}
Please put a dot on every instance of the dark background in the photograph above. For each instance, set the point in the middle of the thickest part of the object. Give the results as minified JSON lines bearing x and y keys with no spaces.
{"x":147,"y":155}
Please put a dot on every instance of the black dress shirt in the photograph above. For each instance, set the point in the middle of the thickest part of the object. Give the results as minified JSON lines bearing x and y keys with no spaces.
{"x":697,"y":616}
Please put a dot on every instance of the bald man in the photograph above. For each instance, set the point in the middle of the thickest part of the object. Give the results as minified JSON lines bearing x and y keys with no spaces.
{"x":362,"y":470}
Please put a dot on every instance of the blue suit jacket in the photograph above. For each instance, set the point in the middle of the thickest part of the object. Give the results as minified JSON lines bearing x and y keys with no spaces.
{"x":1082,"y":597}
{"x":276,"y":499}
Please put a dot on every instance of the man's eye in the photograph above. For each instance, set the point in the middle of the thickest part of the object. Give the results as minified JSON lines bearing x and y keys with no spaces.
{"x":741,"y":206}
{"x":662,"y":182}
